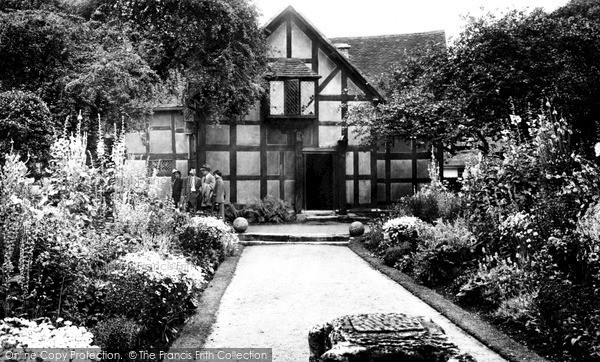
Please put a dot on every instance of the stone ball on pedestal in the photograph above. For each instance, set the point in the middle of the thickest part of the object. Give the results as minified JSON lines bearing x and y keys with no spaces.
{"x":357,"y":228}
{"x":240,"y":224}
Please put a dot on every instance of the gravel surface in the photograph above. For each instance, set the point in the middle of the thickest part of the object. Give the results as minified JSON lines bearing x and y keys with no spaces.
{"x":278,"y":292}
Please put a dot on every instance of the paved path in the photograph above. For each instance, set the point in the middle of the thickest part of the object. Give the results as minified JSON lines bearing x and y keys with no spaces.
{"x":279,"y":292}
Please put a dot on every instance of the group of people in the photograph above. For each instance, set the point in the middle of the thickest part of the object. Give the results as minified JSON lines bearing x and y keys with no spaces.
{"x":205,"y":194}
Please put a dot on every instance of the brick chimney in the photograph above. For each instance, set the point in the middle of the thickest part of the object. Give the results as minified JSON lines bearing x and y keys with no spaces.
{"x":344,"y":49}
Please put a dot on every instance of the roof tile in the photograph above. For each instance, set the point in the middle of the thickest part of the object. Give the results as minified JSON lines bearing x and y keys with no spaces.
{"x":374,"y":55}
{"x":290,"y":68}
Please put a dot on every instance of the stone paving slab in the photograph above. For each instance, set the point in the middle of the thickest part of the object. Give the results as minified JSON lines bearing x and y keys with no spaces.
{"x":279,"y":292}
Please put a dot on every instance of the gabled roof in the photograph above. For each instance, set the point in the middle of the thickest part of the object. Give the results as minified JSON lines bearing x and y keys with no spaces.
{"x":375,"y":54}
{"x":290,"y":68}
{"x":331,"y":50}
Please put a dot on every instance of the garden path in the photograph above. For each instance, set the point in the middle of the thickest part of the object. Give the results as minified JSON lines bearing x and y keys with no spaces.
{"x":278,"y":292}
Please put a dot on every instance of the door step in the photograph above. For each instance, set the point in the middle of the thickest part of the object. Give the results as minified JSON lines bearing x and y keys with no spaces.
{"x":286,"y":238}
{"x":263,"y":242}
{"x":320,"y":215}
{"x":308,"y":239}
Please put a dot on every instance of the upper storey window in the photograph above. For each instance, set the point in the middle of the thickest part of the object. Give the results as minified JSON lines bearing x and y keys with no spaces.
{"x":292,"y":88}
{"x":293,"y":97}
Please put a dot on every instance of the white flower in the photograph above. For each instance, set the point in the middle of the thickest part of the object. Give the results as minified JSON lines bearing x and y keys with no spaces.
{"x":158,"y":267}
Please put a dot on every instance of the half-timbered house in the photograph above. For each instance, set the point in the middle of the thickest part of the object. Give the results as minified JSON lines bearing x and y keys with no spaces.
{"x":293,"y":145}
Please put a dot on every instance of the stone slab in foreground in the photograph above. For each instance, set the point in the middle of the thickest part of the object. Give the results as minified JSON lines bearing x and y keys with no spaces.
{"x":382,"y":337}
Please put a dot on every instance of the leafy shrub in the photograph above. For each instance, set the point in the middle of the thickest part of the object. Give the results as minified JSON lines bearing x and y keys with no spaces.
{"x":538,"y":174}
{"x":268,"y":210}
{"x":569,"y":316}
{"x":497,"y":279}
{"x":444,"y":251}
{"x":117,"y":334}
{"x":157,"y":292}
{"x":207,"y":240}
{"x":518,"y":309}
{"x":450,"y":205}
{"x":423,"y":205}
{"x":433,"y":201}
{"x":588,"y":245}
{"x":400,"y":257}
{"x":400,"y":230}
{"x":21,"y":335}
{"x":374,"y":238}
{"x":395,"y":254}
{"x":25,"y":125}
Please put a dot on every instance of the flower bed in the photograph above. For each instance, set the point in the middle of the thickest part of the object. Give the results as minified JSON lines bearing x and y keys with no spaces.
{"x":528,"y":241}
{"x":95,"y":245}
{"x":19,"y":336}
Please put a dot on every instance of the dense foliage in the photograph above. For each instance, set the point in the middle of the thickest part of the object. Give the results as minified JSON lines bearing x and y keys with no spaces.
{"x":496,"y":66}
{"x":94,"y":244}
{"x":74,"y":65}
{"x":267,"y":210}
{"x":208,"y":241}
{"x":216,"y":45}
{"x":26,"y":125}
{"x":528,"y":240}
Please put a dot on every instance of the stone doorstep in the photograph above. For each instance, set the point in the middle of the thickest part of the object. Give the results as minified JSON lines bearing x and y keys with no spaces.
{"x":262,"y":242}
{"x":293,"y":238}
{"x":315,"y":213}
{"x":322,"y":218}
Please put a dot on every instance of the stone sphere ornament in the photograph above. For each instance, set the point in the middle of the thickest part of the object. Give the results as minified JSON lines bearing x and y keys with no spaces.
{"x":240,"y":224}
{"x":357,"y":228}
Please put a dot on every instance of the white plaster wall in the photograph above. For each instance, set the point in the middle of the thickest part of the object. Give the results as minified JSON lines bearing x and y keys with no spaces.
{"x":160,"y":142}
{"x":276,"y":42}
{"x":330,"y":111}
{"x":329,"y":136}
{"x":182,"y":143}
{"x":301,"y":44}
{"x":326,"y":66}
{"x":334,"y":87}
{"x":134,"y":142}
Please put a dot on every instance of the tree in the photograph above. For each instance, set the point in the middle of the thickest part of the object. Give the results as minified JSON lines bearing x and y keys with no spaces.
{"x":216,"y":45}
{"x":497,"y":67}
{"x":25,"y":125}
{"x":75,"y":65}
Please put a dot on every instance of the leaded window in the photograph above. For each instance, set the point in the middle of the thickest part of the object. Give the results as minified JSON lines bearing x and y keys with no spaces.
{"x":292,"y":97}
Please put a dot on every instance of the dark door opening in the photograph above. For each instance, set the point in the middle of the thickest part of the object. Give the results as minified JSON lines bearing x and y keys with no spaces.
{"x":319,"y":181}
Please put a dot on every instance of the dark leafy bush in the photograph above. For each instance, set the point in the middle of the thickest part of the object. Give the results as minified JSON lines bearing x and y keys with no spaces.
{"x":395,"y":254}
{"x":207,"y":241}
{"x":156,"y":292}
{"x":374,"y":238}
{"x":430,"y":205}
{"x":443,"y":253}
{"x":497,"y":279}
{"x":537,"y":174}
{"x":569,"y":315}
{"x":25,"y":125}
{"x":117,"y":334}
{"x":268,"y":210}
{"x":421,"y":205}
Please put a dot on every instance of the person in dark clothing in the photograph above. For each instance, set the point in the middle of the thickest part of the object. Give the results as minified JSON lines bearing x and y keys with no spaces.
{"x":176,"y":187}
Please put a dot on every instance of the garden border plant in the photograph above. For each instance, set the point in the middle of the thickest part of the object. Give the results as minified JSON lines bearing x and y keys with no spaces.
{"x":90,"y":234}
{"x":528,"y":244}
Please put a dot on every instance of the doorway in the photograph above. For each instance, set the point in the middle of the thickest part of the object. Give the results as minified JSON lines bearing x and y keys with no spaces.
{"x":319,"y":181}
